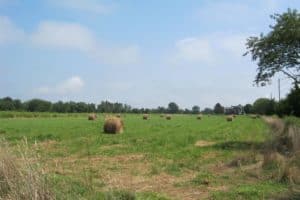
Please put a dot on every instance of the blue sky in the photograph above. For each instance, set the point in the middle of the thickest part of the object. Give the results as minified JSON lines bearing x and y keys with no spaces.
{"x":144,"y":53}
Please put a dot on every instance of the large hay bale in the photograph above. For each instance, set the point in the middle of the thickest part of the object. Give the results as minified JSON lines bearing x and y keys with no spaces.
{"x":113,"y":125}
{"x":229,"y":118}
{"x":145,"y":116}
{"x":92,"y":117}
{"x":168,"y":117}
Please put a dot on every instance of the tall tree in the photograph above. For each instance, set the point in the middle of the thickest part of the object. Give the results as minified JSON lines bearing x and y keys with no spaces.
{"x":173,"y":107}
{"x":196,"y":110}
{"x":279,"y":50}
{"x":218,"y":109}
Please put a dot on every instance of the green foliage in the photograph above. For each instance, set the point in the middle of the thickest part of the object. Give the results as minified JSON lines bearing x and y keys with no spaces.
{"x":173,"y":107}
{"x":279,"y":50}
{"x":248,"y":108}
{"x":218,"y":109}
{"x":38,"y":105}
{"x":196,"y":110}
{"x":264,"y":106}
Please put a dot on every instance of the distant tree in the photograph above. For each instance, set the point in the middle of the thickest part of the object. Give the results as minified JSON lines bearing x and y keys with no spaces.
{"x":173,"y":107}
{"x":6,"y":104}
{"x":208,"y":111}
{"x":38,"y":105}
{"x":264,"y":106}
{"x":59,"y":107}
{"x":293,"y":102}
{"x":196,"y":110}
{"x":279,"y":50}
{"x":18,"y":104}
{"x":218,"y":109}
{"x":248,"y":108}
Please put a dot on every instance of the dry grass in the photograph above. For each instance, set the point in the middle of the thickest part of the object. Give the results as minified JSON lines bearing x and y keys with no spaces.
{"x":113,"y":125}
{"x":282,"y":152}
{"x":21,"y":178}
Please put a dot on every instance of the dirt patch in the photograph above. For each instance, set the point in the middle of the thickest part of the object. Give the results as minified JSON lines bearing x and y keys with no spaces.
{"x":129,"y":172}
{"x":203,"y":143}
{"x":113,"y":146}
{"x":47,"y":144}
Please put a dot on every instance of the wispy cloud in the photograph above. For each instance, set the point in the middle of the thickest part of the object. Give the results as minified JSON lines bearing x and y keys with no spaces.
{"x":70,"y":86}
{"x":88,"y":6}
{"x":64,"y":36}
{"x":208,"y":49}
{"x":74,"y":36}
{"x":9,"y":32}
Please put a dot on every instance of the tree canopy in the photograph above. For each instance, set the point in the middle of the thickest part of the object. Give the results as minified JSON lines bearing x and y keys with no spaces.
{"x":279,"y":50}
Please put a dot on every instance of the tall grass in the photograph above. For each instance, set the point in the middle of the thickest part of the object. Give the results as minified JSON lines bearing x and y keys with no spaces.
{"x":22,"y":177}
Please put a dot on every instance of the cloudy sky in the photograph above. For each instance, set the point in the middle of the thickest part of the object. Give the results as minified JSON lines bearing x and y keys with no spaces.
{"x":144,"y":53}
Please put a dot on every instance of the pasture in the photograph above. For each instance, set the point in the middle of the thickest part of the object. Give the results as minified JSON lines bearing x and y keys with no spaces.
{"x":181,"y":158}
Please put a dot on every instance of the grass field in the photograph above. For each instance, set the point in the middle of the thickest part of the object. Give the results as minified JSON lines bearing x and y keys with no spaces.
{"x":183,"y":158}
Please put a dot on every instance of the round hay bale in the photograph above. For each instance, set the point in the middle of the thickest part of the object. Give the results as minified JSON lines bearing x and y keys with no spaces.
{"x":199,"y":117}
{"x":234,"y":116}
{"x":229,"y":118}
{"x":92,"y":117}
{"x":145,"y":117}
{"x":253,"y":116}
{"x":118,"y":115}
{"x":162,"y":115}
{"x":113,"y":125}
{"x":168,"y":117}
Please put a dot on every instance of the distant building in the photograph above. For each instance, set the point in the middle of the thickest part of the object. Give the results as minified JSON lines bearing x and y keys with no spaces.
{"x":234,"y":110}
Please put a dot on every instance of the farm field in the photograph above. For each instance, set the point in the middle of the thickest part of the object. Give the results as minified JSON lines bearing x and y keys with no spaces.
{"x":181,"y":158}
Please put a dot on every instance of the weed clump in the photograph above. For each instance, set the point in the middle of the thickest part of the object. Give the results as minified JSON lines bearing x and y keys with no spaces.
{"x":21,"y":178}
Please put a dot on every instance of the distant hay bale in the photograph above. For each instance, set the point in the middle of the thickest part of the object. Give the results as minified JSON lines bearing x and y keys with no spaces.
{"x":162,"y":115}
{"x":145,"y":117}
{"x":253,"y":116}
{"x":118,"y":115}
{"x":199,"y":117}
{"x":168,"y":117}
{"x":92,"y":117}
{"x":229,"y":118}
{"x":234,"y":116}
{"x":113,"y":125}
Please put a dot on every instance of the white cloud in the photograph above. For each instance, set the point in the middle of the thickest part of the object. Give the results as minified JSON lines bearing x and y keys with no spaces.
{"x":194,"y":50}
{"x":73,"y":36}
{"x":70,"y":86}
{"x":9,"y":32}
{"x":64,"y":35}
{"x":89,"y":6}
{"x":208,"y":49}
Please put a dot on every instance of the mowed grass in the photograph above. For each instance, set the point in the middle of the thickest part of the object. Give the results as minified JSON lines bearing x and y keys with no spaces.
{"x":154,"y":159}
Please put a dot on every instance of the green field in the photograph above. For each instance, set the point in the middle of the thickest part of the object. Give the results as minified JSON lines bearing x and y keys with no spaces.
{"x":183,"y":158}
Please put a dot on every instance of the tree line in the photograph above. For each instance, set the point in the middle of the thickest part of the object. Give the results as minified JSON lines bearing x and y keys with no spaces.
{"x":264,"y":106}
{"x":40,"y":105}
